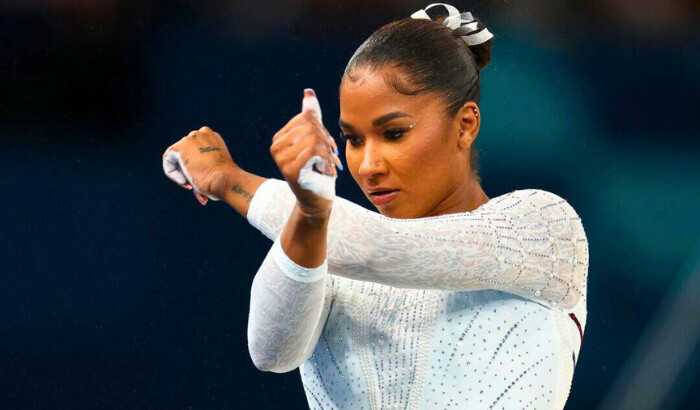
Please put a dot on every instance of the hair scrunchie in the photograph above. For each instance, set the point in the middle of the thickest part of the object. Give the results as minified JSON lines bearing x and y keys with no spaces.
{"x":463,"y":23}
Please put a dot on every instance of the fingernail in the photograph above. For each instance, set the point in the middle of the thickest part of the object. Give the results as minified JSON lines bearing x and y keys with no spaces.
{"x":336,"y":152}
{"x":308,"y":92}
{"x":340,"y":166}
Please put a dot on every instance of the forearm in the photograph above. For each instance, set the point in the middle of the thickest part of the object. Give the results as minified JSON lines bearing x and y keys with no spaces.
{"x":530,"y":243}
{"x":238,"y":188}
{"x":289,"y":294}
{"x":287,"y":297}
{"x":288,"y":306}
{"x":304,"y":237}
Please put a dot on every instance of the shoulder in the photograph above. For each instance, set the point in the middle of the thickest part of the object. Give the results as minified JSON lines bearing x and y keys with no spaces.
{"x":554,"y":230}
{"x":542,"y":200}
{"x":559,"y":218}
{"x":545,"y":207}
{"x":536,"y":195}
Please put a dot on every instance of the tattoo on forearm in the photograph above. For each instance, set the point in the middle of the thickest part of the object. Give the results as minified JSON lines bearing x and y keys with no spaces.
{"x":237,"y":189}
{"x":208,"y":149}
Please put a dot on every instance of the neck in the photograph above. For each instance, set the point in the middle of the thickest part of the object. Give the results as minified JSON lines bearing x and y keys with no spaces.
{"x":465,"y":197}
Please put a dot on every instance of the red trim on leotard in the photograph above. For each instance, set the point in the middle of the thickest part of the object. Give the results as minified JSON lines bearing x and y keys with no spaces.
{"x":578,"y":325}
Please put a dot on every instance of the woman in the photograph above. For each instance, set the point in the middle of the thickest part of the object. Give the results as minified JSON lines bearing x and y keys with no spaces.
{"x":444,"y":298}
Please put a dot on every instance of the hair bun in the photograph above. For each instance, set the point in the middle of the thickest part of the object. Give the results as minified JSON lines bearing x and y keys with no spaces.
{"x":482,"y":51}
{"x":464,"y":25}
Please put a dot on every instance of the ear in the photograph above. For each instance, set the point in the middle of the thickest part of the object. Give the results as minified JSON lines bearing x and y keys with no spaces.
{"x":469,"y":121}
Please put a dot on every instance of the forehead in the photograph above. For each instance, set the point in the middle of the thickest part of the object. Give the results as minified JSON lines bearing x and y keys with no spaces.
{"x":369,"y":93}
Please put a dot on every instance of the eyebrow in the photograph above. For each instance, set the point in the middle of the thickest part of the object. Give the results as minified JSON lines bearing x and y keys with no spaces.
{"x":377,"y":122}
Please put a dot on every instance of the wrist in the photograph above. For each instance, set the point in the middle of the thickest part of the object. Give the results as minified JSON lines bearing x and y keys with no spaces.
{"x":292,"y":269}
{"x":314,"y":215}
{"x":227,"y":178}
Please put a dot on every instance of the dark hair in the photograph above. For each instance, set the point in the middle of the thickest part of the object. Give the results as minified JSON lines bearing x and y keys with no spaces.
{"x":432,"y":57}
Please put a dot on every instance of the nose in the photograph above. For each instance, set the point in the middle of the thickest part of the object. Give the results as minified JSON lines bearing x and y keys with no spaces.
{"x":372,"y":161}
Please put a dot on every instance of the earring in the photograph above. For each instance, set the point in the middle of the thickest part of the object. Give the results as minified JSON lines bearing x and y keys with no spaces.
{"x":476,"y":113}
{"x":461,"y":131}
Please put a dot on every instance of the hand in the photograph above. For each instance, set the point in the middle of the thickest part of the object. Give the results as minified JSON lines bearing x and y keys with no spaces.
{"x":201,"y":163}
{"x":303,"y":137}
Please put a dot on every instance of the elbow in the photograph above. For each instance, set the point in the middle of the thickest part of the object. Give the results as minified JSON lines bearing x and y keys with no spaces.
{"x":271,"y":365}
{"x":575,"y":292}
{"x":268,"y":360}
{"x":262,"y":363}
{"x":570,"y":301}
{"x":268,"y":367}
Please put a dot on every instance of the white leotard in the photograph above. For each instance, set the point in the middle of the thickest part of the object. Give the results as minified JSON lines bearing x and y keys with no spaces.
{"x":482,"y":309}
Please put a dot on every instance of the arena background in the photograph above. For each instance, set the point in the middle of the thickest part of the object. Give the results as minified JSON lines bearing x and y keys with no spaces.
{"x":118,"y":290}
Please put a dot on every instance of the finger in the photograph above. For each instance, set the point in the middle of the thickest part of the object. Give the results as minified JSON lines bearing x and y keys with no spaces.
{"x":289,"y":153}
{"x":332,"y":146}
{"x":323,"y":130}
{"x":331,"y":140}
{"x":294,"y":122}
{"x":313,"y":123}
{"x":310,"y":152}
{"x":170,"y":148}
{"x":171,"y":167}
{"x":321,"y":141}
{"x":174,"y":167}
{"x":310,"y":104}
{"x":336,"y":161}
{"x":292,"y":137}
{"x":172,"y":170}
{"x":203,"y":199}
{"x":302,"y":133}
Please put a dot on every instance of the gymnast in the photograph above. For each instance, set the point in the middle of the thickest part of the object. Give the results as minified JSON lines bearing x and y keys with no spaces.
{"x":444,"y":298}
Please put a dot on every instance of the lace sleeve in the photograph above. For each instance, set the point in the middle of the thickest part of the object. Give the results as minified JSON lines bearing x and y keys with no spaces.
{"x":528,"y":242}
{"x":288,"y":307}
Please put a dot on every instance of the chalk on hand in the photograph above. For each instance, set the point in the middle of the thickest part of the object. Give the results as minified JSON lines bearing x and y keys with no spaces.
{"x":322,"y":185}
{"x":310,"y":104}
{"x":175,"y":169}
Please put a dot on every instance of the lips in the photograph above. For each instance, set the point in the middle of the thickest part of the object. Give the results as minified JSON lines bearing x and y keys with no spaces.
{"x":382,"y":196}
{"x":381,"y":191}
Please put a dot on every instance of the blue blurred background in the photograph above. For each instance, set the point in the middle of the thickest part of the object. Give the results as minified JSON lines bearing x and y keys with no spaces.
{"x":120,"y":291}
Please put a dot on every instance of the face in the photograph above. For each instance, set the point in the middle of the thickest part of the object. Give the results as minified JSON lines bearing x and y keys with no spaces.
{"x":405,"y":143}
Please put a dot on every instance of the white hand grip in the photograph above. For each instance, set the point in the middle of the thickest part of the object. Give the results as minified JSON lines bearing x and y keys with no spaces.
{"x":176,"y":170}
{"x":320,"y":184}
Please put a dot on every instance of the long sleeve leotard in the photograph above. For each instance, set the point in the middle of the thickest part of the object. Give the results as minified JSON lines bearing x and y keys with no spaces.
{"x":397,"y":299}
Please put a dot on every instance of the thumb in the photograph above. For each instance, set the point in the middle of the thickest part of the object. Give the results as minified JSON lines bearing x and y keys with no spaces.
{"x":310,"y":104}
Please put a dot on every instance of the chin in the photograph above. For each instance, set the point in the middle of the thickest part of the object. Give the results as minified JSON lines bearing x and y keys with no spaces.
{"x":396,"y":212}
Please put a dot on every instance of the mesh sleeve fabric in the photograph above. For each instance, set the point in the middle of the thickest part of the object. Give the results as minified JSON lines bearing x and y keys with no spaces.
{"x":288,"y":307}
{"x":527,"y":242}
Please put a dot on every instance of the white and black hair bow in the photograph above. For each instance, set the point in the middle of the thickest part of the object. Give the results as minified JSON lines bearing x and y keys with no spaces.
{"x":463,"y":23}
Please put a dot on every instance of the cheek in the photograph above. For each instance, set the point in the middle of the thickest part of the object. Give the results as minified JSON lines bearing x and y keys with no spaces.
{"x":426,"y":158}
{"x":420,"y":164}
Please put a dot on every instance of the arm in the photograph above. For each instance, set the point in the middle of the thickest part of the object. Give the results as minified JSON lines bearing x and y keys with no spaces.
{"x":289,"y":293}
{"x":289,"y":302}
{"x":529,"y":242}
{"x":239,"y":187}
{"x":290,"y":297}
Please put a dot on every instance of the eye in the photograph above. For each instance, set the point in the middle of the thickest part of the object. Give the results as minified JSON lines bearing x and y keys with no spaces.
{"x":354,"y":140}
{"x":394,"y":133}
